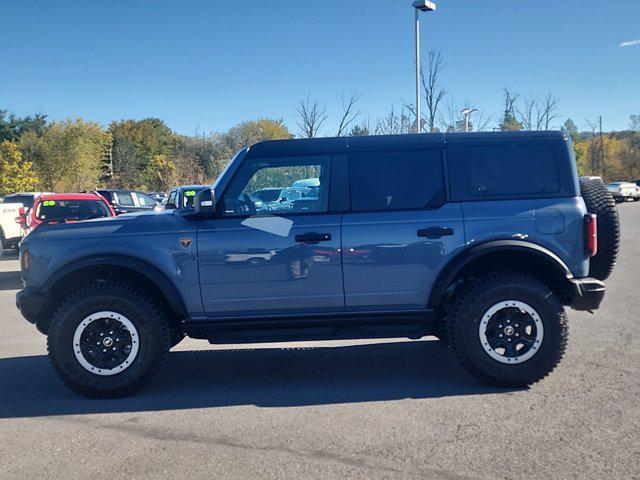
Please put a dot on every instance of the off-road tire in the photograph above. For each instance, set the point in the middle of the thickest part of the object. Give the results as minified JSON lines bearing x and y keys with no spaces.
{"x":600,"y":201}
{"x":474,"y":301}
{"x":149,"y":319}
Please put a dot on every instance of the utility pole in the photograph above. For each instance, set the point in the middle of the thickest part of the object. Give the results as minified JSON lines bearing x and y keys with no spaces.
{"x":419,"y":6}
{"x":467,"y":113}
{"x":418,"y":114}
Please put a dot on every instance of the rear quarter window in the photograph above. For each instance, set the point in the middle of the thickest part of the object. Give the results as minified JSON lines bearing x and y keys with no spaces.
{"x":511,"y":170}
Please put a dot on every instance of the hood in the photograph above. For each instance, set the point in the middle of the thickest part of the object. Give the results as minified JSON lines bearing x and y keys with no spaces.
{"x":142,"y":223}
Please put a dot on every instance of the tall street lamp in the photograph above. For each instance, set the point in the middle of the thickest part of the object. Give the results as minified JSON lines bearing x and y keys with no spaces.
{"x":420,"y":6}
{"x":467,"y":113}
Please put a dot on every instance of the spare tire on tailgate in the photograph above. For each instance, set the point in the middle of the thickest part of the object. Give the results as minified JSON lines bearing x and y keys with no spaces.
{"x":599,"y":200}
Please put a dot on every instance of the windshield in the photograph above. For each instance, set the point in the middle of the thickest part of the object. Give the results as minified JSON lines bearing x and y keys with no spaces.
{"x":188,"y":196}
{"x":71,"y":210}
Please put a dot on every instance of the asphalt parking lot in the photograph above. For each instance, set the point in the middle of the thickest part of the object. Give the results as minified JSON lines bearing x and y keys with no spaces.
{"x":394,"y":409}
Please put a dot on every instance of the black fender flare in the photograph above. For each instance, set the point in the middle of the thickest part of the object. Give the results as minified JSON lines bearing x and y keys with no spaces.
{"x":456,"y":264}
{"x":142,"y":267}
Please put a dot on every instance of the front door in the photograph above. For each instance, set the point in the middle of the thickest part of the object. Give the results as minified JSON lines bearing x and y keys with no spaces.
{"x":279,"y":257}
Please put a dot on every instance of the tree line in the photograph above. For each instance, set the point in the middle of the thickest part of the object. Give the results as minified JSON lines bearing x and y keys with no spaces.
{"x":78,"y":155}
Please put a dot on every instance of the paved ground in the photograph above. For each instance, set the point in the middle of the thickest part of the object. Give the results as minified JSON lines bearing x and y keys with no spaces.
{"x":335,"y":409}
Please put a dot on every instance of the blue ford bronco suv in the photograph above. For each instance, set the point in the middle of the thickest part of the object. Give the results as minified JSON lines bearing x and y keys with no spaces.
{"x":479,"y":239}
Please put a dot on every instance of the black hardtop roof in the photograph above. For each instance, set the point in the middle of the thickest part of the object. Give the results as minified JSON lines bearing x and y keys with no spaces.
{"x":338,"y":144}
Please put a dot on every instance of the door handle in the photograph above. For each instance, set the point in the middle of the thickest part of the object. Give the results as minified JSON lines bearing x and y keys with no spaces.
{"x":313,"y":238}
{"x":435,"y":232}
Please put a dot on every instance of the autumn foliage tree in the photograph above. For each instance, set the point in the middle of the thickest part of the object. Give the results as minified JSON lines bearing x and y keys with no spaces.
{"x":68,"y":155}
{"x":16,"y":174}
{"x":161,"y":173}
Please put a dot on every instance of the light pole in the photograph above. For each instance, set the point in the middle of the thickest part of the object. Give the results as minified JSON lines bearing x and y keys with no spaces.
{"x":420,"y":6}
{"x":467,"y":113}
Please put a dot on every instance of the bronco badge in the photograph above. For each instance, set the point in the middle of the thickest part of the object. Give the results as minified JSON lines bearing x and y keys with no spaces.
{"x":185,"y":241}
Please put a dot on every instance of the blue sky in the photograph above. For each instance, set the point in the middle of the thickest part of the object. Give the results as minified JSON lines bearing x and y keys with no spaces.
{"x":207,"y":65}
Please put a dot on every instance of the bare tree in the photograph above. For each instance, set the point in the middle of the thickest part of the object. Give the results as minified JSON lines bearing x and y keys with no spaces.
{"x":310,"y":117}
{"x":452,"y":120}
{"x":434,"y":93}
{"x":393,"y":123}
{"x":481,"y":121}
{"x":349,"y":114}
{"x":538,"y":113}
{"x":596,"y":153}
{"x":509,"y":120}
{"x":527,"y":115}
{"x":409,"y":107}
{"x":548,"y":110}
{"x":361,"y":129}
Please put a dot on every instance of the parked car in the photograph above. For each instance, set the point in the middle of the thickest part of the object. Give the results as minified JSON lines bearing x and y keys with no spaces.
{"x":288,"y":197}
{"x":624,"y":191}
{"x":58,"y":208}
{"x":268,"y":195}
{"x":127,"y":201}
{"x":159,"y":197}
{"x":11,"y":231}
{"x":183,"y":196}
{"x":25,"y":198}
{"x":13,"y":216}
{"x":307,"y":182}
{"x":481,"y":239}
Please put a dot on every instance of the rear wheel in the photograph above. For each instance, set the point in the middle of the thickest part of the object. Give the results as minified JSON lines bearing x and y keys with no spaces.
{"x":108,"y":340}
{"x":600,"y":201}
{"x":508,"y":329}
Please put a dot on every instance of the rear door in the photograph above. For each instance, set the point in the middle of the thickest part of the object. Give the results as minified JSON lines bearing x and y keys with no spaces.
{"x":401,"y":230}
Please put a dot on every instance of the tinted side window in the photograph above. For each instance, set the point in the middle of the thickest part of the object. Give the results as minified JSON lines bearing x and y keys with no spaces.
{"x":396,"y":180}
{"x":511,"y":170}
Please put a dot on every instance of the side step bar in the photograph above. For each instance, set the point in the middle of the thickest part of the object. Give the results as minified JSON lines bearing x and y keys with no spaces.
{"x":336,"y":327}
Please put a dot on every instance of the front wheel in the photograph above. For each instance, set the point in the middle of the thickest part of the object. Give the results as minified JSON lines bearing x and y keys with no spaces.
{"x":508,"y":329}
{"x":108,"y":340}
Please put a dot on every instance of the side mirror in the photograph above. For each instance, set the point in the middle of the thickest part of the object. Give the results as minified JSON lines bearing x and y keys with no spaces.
{"x":170,"y":206}
{"x":205,"y":202}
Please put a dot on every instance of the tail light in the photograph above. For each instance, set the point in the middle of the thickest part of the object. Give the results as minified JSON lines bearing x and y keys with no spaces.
{"x":590,"y":235}
{"x":22,"y":216}
{"x":25,"y":260}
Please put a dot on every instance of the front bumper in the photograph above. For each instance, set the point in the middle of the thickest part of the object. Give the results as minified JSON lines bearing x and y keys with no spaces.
{"x":587,"y":293}
{"x":31,"y":304}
